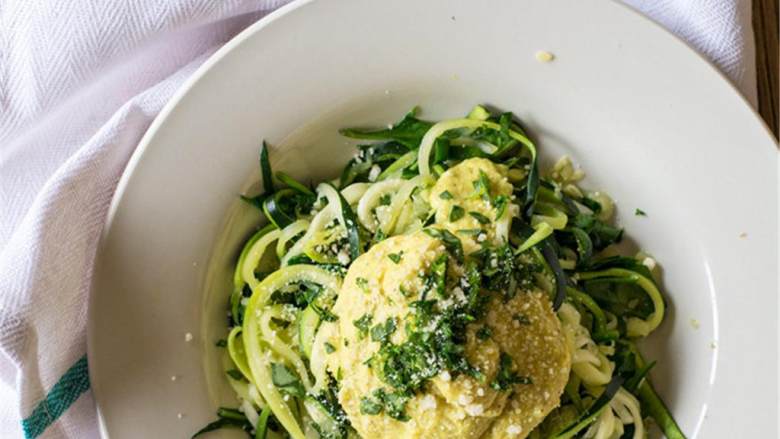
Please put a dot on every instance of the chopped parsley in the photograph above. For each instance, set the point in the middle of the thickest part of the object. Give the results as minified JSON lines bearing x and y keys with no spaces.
{"x":235,"y":374}
{"x":392,"y":403}
{"x":396,"y":257}
{"x":286,"y":380}
{"x":505,"y":378}
{"x":370,"y":406}
{"x":381,"y":332}
{"x":324,"y":313}
{"x":437,"y":278}
{"x":482,"y":219}
{"x":500,"y":203}
{"x":522,"y":319}
{"x":221,"y":343}
{"x":456,"y":213}
{"x":446,"y":195}
{"x":484,"y":333}
{"x":451,"y":242}
{"x":482,"y":186}
{"x":329,"y":348}
{"x":639,"y":212}
{"x":379,"y":236}
{"x":362,"y":283}
{"x":385,"y":200}
{"x":363,"y":324}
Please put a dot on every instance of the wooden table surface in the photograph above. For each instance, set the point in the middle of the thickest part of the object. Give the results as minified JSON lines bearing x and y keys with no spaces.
{"x":765,"y":18}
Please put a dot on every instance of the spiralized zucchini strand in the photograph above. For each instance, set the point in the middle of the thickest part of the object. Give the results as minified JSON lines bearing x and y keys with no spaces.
{"x":636,"y":327}
{"x":259,"y":361}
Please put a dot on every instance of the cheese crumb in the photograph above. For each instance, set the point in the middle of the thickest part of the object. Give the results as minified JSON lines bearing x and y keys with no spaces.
{"x":428,"y":403}
{"x":465,"y":400}
{"x":514,"y":430}
{"x":544,"y":56}
{"x":188,"y":337}
{"x":475,"y":409}
{"x":343,"y":257}
{"x":695,"y":324}
{"x":373,"y":174}
{"x":445,"y":376}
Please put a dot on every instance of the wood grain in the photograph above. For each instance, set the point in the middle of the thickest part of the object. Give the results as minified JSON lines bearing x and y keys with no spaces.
{"x":765,"y":26}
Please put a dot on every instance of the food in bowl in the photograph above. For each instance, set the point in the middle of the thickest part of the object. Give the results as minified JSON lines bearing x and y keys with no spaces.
{"x":441,"y":287}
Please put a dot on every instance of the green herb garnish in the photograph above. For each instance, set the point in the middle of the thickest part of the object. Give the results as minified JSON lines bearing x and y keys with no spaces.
{"x":484,"y":333}
{"x":482,"y":186}
{"x":381,"y":333}
{"x":286,"y":380}
{"x":482,"y":219}
{"x":370,"y":406}
{"x":456,"y":213}
{"x":396,"y":257}
{"x":451,"y":242}
{"x":362,"y":283}
{"x":500,"y":203}
{"x":505,"y":378}
{"x":522,"y":319}
{"x":363,"y":324}
{"x":235,"y":374}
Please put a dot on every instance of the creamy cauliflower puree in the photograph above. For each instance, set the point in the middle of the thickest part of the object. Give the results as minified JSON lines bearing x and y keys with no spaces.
{"x":419,"y":352}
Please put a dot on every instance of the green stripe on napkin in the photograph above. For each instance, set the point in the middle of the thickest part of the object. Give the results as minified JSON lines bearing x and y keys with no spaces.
{"x":67,"y":390}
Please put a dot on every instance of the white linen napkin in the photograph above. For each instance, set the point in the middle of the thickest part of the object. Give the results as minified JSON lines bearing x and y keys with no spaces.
{"x":79,"y":85}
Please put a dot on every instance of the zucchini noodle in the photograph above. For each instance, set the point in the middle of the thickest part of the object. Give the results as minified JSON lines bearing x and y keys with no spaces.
{"x":399,"y":201}
{"x":588,"y":361}
{"x":288,"y":233}
{"x":541,"y":231}
{"x":370,"y":202}
{"x":253,"y":257}
{"x":259,"y":362}
{"x":235,"y":345}
{"x":636,"y":327}
{"x":351,"y":193}
{"x":270,"y":338}
{"x":550,"y":215}
{"x":606,"y":203}
{"x":622,"y":410}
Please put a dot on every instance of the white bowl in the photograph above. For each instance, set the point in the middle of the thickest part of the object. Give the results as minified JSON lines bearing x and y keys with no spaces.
{"x":651,"y":122}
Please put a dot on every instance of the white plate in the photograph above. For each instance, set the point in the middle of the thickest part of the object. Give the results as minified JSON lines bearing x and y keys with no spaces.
{"x":650,"y":121}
